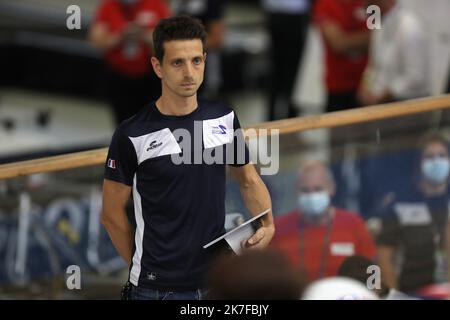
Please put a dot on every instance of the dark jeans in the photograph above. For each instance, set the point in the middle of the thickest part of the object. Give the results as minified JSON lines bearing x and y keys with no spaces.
{"x":140,"y":293}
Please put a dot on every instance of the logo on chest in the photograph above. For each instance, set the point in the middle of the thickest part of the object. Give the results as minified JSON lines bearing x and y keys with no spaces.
{"x":220,"y":129}
{"x":154,"y":145}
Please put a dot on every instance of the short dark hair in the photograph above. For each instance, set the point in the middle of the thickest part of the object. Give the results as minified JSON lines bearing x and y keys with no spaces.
{"x":177,"y":28}
{"x":355,"y":267}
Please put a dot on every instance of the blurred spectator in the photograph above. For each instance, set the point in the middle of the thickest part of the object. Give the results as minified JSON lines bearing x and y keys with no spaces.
{"x":413,"y":235}
{"x":399,"y":60}
{"x":357,"y":267}
{"x":318,"y":236}
{"x":342,"y":24}
{"x":287,"y":22}
{"x":434,"y":19}
{"x":258,"y":275}
{"x":123,"y":30}
{"x":211,"y":13}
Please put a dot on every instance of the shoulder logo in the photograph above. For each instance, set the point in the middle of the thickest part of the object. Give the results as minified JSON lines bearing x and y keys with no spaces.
{"x":154,"y":145}
{"x":220,"y":129}
{"x":111,"y":163}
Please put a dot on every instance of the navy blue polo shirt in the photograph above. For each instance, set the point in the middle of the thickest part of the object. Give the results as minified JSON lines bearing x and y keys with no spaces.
{"x":176,"y":167}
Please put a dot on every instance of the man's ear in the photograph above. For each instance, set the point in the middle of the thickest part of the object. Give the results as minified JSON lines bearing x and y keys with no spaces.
{"x":204,"y":56}
{"x":156,"y":67}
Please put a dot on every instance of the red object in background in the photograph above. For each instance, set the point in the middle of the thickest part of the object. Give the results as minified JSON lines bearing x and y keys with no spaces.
{"x":347,"y":231}
{"x":343,"y":70}
{"x":116,"y":16}
{"x":435,"y":291}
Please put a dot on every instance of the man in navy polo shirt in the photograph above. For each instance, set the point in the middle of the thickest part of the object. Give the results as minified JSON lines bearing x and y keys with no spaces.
{"x":172,"y":156}
{"x":413,"y":247}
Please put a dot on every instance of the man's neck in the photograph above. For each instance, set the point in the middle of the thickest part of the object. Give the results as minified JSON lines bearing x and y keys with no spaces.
{"x":322,"y":219}
{"x":430,"y":189}
{"x":173,"y":105}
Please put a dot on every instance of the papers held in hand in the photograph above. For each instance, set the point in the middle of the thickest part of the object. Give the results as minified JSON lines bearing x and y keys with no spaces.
{"x":236,"y":236}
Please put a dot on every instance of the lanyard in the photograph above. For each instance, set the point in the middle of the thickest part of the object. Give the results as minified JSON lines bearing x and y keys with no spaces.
{"x":325,"y":245}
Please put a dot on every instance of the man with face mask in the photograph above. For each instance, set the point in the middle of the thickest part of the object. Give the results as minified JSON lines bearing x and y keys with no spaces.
{"x":415,"y":223}
{"x":318,"y":236}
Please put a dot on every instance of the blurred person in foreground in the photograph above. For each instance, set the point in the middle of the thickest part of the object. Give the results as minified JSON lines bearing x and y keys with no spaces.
{"x":399,"y":65}
{"x":342,"y":24}
{"x":163,"y":157}
{"x":122,"y":30}
{"x":318,"y":236}
{"x":359,"y":268}
{"x":259,"y":275}
{"x":413,"y":243}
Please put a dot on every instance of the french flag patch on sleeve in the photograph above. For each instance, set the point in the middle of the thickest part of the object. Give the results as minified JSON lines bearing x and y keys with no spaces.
{"x":111,"y":163}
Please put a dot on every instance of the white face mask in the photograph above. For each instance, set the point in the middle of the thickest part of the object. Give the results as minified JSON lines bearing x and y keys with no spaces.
{"x":314,"y":203}
{"x":436,"y":170}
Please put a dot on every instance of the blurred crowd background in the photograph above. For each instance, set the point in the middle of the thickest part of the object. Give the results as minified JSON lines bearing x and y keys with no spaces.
{"x":64,"y":90}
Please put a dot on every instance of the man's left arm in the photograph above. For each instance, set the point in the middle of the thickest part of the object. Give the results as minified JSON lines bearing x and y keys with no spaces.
{"x":256,"y":198}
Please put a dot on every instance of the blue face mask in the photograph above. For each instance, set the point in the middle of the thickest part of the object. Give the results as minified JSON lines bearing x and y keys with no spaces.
{"x":436,"y":170}
{"x":314,"y":203}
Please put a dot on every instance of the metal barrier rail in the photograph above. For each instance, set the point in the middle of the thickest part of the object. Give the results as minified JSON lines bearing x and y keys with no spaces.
{"x":327,"y":120}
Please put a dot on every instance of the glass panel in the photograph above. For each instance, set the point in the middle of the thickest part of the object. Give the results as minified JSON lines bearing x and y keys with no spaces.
{"x":378,"y":173}
{"x":49,"y":222}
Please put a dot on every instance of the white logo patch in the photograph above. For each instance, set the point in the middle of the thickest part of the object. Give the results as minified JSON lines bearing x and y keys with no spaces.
{"x":342,"y":249}
{"x":155,"y":144}
{"x":219,"y":131}
{"x":412,"y":214}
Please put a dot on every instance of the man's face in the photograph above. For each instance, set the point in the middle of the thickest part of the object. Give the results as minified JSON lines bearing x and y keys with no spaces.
{"x":435,"y":166}
{"x":315,"y":179}
{"x":182,"y":68}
